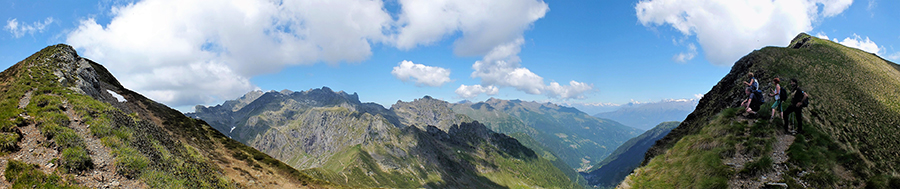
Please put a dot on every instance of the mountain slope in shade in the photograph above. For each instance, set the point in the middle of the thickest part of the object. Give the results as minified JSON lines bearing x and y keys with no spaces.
{"x":647,"y":115}
{"x":851,"y":125}
{"x":66,"y":121}
{"x":578,"y":139}
{"x":504,"y":123}
{"x":613,"y":169}
{"x":423,"y":143}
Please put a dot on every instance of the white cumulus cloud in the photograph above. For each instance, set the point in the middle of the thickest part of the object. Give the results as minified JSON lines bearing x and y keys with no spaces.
{"x":822,"y":35}
{"x":727,"y":30}
{"x":483,"y":24}
{"x":858,"y":42}
{"x":471,"y":91}
{"x":195,"y":52}
{"x":20,"y":29}
{"x":895,"y":57}
{"x":573,"y":90}
{"x":686,"y":56}
{"x":422,"y":74}
{"x":500,"y":67}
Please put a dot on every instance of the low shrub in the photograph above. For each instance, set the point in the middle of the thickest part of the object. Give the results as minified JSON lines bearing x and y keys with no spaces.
{"x":23,"y":175}
{"x":130,"y":162}
{"x":75,"y":159}
{"x":8,"y":141}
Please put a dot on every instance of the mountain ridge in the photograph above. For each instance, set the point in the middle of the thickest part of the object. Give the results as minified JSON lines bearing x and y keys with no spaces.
{"x":72,"y":116}
{"x":850,"y":126}
{"x":615,"y":167}
{"x":574,"y":136}
{"x":421,"y":143}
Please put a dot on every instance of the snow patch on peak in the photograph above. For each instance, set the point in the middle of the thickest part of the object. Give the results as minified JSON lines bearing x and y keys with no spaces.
{"x":118,"y":97}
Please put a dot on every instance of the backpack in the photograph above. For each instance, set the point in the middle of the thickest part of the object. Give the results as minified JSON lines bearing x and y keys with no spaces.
{"x":805,"y":102}
{"x":757,"y":96}
{"x":782,"y":94}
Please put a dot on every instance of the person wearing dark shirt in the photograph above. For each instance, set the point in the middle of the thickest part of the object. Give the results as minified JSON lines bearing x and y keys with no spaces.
{"x":796,"y":106}
{"x":753,"y":101}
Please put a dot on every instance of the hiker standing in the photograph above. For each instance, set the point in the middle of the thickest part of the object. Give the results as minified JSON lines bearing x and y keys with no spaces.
{"x":798,"y":102}
{"x":779,"y":95}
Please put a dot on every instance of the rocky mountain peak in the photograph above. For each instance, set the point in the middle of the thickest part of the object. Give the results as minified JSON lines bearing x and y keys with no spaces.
{"x":427,"y":111}
{"x":76,"y":73}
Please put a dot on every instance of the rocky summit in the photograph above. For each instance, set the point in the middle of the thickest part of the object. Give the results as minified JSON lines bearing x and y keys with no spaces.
{"x":66,"y":122}
{"x":332,"y":136}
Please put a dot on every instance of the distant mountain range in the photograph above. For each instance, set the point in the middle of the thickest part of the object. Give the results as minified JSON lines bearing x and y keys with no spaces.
{"x":646,"y":115}
{"x":578,"y":139}
{"x":424,"y":143}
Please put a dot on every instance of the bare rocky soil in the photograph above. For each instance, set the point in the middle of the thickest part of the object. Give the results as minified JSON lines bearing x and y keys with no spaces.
{"x":36,"y":149}
{"x":771,"y":179}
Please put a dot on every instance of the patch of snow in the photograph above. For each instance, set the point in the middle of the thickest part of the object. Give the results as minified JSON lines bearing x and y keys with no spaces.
{"x":117,"y":96}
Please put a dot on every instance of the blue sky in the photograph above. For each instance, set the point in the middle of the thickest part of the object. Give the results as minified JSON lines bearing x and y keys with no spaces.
{"x":578,"y":53}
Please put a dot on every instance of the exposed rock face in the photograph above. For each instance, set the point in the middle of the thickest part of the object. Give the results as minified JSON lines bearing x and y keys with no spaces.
{"x":333,"y":135}
{"x":427,"y":111}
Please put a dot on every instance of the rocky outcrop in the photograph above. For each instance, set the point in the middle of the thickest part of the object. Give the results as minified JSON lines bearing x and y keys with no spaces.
{"x":94,"y":132}
{"x":334,"y":136}
{"x":427,"y":111}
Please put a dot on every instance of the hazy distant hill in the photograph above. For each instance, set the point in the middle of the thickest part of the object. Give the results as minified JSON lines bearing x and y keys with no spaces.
{"x":646,"y":115}
{"x":578,"y":139}
{"x":851,"y":139}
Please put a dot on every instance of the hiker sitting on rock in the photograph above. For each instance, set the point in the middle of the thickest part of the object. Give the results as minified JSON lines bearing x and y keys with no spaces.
{"x":753,"y":101}
{"x":799,"y":101}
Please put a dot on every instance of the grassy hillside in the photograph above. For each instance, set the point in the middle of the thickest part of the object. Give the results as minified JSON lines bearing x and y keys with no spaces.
{"x":628,"y":156}
{"x":504,"y":123}
{"x":62,"y":126}
{"x":851,"y":123}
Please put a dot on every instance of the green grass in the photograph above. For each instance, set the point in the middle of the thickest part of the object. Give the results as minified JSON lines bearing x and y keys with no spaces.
{"x":129,"y":162}
{"x":526,"y":173}
{"x":851,"y":123}
{"x":75,"y":159}
{"x":8,"y":141}
{"x":817,"y":153}
{"x":757,"y":167}
{"x":51,"y":100}
{"x":24,"y":175}
{"x":696,"y":160}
